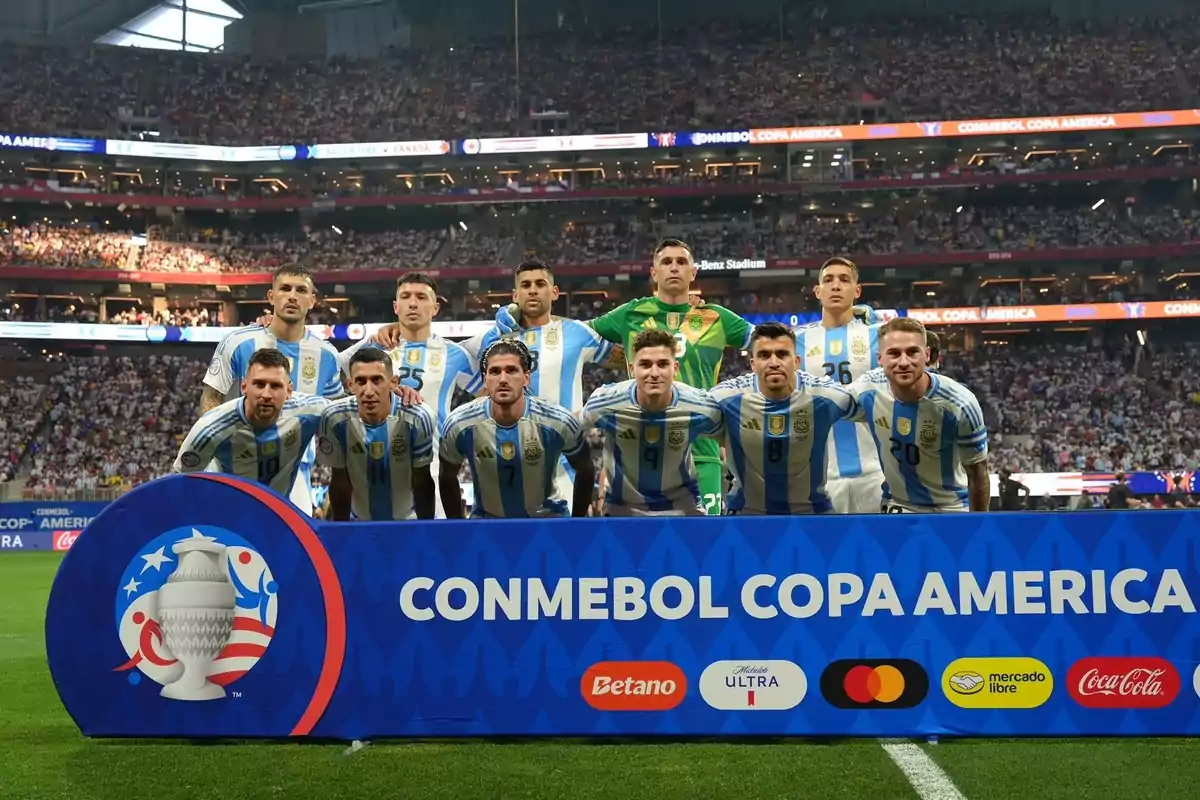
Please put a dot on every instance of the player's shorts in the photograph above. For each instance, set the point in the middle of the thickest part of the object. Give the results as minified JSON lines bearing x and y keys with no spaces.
{"x":898,"y":507}
{"x":711,"y":477}
{"x":862,"y":494}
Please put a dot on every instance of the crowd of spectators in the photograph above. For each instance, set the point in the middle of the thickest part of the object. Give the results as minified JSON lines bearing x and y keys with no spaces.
{"x":715,"y":77}
{"x":22,"y":413}
{"x":782,"y":232}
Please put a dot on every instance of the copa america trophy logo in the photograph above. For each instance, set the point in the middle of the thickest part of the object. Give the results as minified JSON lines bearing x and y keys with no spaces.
{"x":196,"y":608}
{"x":196,"y":612}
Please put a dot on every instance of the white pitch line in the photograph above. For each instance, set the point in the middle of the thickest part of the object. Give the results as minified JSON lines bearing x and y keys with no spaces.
{"x":928,"y":779}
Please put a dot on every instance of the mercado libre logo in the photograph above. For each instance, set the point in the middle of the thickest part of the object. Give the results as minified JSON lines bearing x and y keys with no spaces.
{"x":195,"y":611}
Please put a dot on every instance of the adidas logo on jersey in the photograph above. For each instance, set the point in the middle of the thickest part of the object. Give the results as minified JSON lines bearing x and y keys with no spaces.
{"x":882,"y":422}
{"x":485,"y":453}
{"x":751,"y":425}
{"x":357,"y":449}
{"x":627,"y":434}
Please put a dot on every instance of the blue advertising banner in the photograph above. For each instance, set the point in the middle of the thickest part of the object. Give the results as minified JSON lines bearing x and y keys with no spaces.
{"x":44,"y":526}
{"x":204,"y":606}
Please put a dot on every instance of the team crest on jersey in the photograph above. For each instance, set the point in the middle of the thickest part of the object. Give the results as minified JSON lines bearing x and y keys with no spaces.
{"x":533,"y":451}
{"x":858,"y":348}
{"x":308,"y":370}
{"x":435,"y":359}
{"x":289,"y":439}
{"x":551,"y":337}
{"x":376,"y":450}
{"x":508,"y":451}
{"x":677,"y":438}
{"x":413,"y":356}
{"x":269,"y":448}
{"x":674,"y":320}
{"x":776,"y":424}
{"x":652,"y":435}
{"x":835,"y":347}
{"x":904,"y":426}
{"x":399,"y":447}
{"x":204,"y":588}
{"x":530,"y":338}
{"x":696,"y":321}
{"x":801,"y":425}
{"x":928,"y":435}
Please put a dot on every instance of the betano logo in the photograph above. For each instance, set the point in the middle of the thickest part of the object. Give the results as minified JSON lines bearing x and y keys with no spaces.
{"x":885,"y":683}
{"x":633,"y":686}
{"x":1016,"y":682}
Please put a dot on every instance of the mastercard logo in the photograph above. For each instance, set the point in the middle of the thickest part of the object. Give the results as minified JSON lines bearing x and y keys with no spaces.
{"x":885,"y":683}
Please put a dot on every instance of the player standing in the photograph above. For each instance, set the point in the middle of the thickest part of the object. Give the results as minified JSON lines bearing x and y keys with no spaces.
{"x":431,"y":365}
{"x":379,"y":450}
{"x":928,"y":430}
{"x":651,"y":425}
{"x":777,"y":426}
{"x":312,"y":362}
{"x":512,"y":443}
{"x":843,"y":349}
{"x":261,"y":435}
{"x":700,"y":335}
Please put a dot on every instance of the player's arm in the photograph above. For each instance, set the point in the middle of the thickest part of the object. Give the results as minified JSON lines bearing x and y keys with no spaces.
{"x":972,"y":446}
{"x":333,"y":388}
{"x":200,"y":444}
{"x":613,"y":325}
{"x":331,"y":453}
{"x":219,"y":379}
{"x":737,"y":330}
{"x":575,"y":448}
{"x":420,"y":440}
{"x":450,"y":462}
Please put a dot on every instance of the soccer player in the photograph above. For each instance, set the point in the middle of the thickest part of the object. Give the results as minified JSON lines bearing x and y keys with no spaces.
{"x":262,"y":434}
{"x":433,"y":366}
{"x":843,"y":349}
{"x":700,"y":335}
{"x":777,"y":426}
{"x":651,"y":425}
{"x":928,"y":429}
{"x":512,"y":443}
{"x":311,"y":361}
{"x":379,"y":450}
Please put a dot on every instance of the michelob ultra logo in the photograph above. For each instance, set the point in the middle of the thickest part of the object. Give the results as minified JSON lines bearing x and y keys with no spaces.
{"x":1016,"y":682}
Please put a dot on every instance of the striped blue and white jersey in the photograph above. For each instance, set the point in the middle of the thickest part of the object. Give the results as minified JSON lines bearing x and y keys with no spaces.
{"x":843,"y":355}
{"x":560,"y":350}
{"x":777,"y":449}
{"x":512,"y":467}
{"x":923,"y":446}
{"x":270,"y":455}
{"x":313,"y":361}
{"x":378,"y":458}
{"x":435,"y":367}
{"x":648,"y":462}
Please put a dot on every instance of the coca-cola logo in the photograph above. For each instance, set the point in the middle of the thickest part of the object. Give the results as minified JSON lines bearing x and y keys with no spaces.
{"x":1123,"y":682}
{"x":64,"y":539}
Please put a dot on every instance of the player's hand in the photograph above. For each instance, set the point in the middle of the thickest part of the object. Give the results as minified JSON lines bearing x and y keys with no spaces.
{"x":387,"y":337}
{"x":505,"y":321}
{"x":695,"y":300}
{"x":265,"y":319}
{"x":408,"y":395}
{"x":865,"y":313}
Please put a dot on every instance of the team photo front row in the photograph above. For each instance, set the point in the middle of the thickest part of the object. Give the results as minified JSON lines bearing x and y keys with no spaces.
{"x":529,"y":457}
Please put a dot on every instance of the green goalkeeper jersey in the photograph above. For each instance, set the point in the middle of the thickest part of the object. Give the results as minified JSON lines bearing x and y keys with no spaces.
{"x":701,"y":335}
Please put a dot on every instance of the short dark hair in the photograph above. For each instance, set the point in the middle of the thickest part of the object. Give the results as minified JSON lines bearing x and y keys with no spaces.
{"x":840,"y":261}
{"x":771,"y":330}
{"x":904,"y":325}
{"x":417,"y":277}
{"x":512,"y":347}
{"x":533,"y":265}
{"x":270,"y":357}
{"x":299,"y":270}
{"x":672,"y":242}
{"x":653,"y":338}
{"x":371,"y":355}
